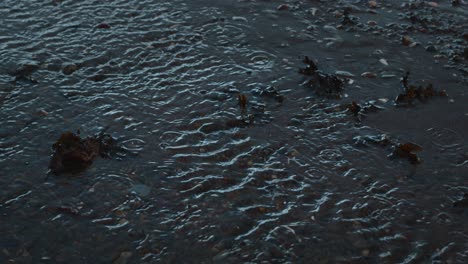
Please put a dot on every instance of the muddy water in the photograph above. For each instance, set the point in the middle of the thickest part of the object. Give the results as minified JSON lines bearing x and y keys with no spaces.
{"x":308,"y":182}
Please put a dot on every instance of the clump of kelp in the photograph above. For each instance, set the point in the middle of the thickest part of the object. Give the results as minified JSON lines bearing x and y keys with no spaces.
{"x":73,"y":154}
{"x":398,"y":150}
{"x":324,"y":84}
{"x":416,"y":92}
{"x":361,"y":110}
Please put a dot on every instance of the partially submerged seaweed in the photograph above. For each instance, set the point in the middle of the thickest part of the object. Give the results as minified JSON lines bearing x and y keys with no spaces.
{"x":407,"y":150}
{"x":413,"y":92}
{"x":399,"y":150}
{"x":360,"y":110}
{"x":328,"y":85}
{"x":74,"y":154}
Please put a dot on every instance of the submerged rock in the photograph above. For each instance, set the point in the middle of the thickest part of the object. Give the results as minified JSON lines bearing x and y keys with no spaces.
{"x":74,"y":154}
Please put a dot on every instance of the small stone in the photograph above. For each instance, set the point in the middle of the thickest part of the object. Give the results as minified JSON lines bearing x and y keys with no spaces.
{"x":372,"y":4}
{"x":388,"y":76}
{"x":313,"y":11}
{"x":103,"y":26}
{"x":344,"y":74}
{"x":365,"y":252}
{"x":282,"y":7}
{"x":433,"y":4}
{"x":384,"y":62}
{"x":69,"y":69}
{"x":239,"y":18}
{"x":371,"y":22}
{"x":368,"y":75}
{"x":431,"y":48}
{"x":406,"y":40}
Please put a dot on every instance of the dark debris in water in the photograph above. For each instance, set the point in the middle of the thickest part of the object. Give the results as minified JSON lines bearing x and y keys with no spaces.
{"x":328,"y":85}
{"x":462,"y":203}
{"x":24,"y":73}
{"x":399,"y":150}
{"x":270,"y":92}
{"x":73,"y":154}
{"x":406,"y":150}
{"x":361,"y":110}
{"x":416,"y":92}
{"x":70,"y":68}
{"x":242,"y":99}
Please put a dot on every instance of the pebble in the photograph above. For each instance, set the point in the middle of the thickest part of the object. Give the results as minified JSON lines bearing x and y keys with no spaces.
{"x":431,"y":48}
{"x":313,"y":11}
{"x":69,"y":69}
{"x":344,"y":73}
{"x":329,"y":28}
{"x":103,"y":26}
{"x":368,"y":75}
{"x":406,"y":40}
{"x":239,"y":18}
{"x":372,"y":4}
{"x":387,"y":76}
{"x":384,"y":62}
{"x":282,"y":7}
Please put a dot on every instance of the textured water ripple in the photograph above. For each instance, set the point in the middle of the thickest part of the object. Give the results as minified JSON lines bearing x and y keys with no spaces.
{"x":302,"y":182}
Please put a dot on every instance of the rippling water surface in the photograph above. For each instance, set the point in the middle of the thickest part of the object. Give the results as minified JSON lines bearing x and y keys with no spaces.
{"x":307,"y":182}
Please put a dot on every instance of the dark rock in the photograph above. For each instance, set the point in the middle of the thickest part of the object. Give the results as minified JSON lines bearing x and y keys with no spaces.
{"x":431,"y":48}
{"x":69,"y":69}
{"x":103,"y":26}
{"x":283,"y":7}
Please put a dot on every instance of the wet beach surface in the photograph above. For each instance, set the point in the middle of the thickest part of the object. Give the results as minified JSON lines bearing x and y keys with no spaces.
{"x":311,"y":180}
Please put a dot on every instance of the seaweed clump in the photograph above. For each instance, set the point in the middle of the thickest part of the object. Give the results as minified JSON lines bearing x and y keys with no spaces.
{"x":361,"y":110}
{"x":399,"y":150}
{"x":328,"y":85}
{"x":413,"y":92}
{"x":407,"y":150}
{"x":73,"y":154}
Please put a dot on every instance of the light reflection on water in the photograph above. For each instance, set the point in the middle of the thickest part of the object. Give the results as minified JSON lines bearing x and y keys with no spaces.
{"x":192,"y":187}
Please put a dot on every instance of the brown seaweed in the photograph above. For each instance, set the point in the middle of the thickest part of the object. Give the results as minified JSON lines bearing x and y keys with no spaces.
{"x":413,"y":92}
{"x":74,"y":154}
{"x":407,"y":150}
{"x":328,"y":85}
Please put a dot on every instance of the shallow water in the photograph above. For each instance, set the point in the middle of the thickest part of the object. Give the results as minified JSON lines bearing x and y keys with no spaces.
{"x":303,"y":184}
